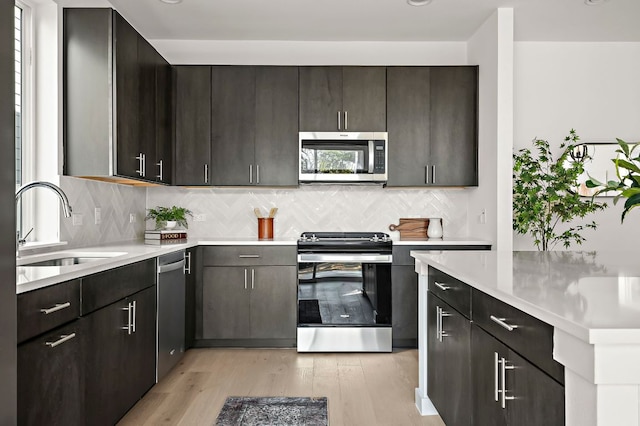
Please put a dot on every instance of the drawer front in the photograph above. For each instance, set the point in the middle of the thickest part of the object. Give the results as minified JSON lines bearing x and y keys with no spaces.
{"x":530,"y":337}
{"x":453,"y":291}
{"x":102,"y":289}
{"x":249,"y":255}
{"x":44,"y":309}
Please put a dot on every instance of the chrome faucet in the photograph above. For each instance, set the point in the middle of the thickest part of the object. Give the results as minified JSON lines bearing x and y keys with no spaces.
{"x":66,"y":207}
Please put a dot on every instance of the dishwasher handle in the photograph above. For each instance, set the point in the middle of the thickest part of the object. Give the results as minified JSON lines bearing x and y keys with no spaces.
{"x":171,"y":267}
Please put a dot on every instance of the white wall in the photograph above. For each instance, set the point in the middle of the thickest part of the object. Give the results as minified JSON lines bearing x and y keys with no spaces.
{"x":491,"y":47}
{"x":593,"y":88}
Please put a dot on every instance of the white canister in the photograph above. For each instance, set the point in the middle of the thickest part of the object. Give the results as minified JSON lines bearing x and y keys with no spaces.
{"x":434,"y":230}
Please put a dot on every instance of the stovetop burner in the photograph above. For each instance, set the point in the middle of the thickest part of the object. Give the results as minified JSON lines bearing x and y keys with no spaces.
{"x":334,"y":237}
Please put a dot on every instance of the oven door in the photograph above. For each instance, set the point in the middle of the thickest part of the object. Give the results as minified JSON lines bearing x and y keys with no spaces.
{"x":344,"y":290}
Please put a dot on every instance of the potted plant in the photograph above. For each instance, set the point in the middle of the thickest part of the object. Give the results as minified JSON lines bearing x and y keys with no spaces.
{"x":169,"y":217}
{"x":544,"y":195}
{"x":628,"y":173}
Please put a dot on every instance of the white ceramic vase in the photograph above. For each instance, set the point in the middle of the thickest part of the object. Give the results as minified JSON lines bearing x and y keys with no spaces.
{"x":170,"y":224}
{"x":434,"y":230}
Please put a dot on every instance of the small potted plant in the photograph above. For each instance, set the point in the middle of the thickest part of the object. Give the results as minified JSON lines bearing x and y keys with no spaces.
{"x":169,"y":217}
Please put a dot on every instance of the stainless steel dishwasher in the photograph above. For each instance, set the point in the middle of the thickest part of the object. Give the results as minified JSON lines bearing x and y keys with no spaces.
{"x":171,"y":305}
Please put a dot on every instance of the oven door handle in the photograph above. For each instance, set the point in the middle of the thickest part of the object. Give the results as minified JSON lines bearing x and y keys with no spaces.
{"x":345,"y":258}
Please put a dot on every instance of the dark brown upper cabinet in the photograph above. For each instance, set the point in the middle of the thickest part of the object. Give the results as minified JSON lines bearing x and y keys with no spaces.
{"x":112,"y":125}
{"x":432,"y":121}
{"x":254,"y":125}
{"x":192,"y":114}
{"x":343,"y":99}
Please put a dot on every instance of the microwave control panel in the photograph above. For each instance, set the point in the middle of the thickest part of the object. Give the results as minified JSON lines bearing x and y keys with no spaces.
{"x":379,"y":157}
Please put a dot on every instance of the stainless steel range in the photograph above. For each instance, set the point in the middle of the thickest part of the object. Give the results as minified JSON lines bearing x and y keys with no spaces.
{"x":344,"y":292}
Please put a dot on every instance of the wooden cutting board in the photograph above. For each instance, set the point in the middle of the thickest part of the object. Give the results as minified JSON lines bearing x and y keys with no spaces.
{"x":411,"y":228}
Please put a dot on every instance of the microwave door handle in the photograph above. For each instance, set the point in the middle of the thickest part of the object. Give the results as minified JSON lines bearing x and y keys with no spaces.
{"x":371,"y":154}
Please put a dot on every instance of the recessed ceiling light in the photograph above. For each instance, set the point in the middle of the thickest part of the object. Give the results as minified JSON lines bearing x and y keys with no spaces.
{"x":171,"y":1}
{"x":595,"y":2}
{"x":419,"y":2}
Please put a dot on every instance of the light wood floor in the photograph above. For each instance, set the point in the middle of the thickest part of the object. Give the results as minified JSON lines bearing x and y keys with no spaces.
{"x":362,"y":389}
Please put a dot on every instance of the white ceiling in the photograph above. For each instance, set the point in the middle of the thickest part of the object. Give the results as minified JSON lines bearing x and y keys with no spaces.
{"x":378,"y":20}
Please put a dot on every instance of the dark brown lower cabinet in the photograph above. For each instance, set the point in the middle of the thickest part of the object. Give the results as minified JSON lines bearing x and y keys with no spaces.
{"x":119,"y":356}
{"x":509,"y":390}
{"x":449,"y":362}
{"x":50,"y":378}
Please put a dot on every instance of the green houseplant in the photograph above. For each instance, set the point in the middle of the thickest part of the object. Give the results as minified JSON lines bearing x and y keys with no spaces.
{"x":544,"y":195}
{"x":165,"y":215}
{"x":628,"y":173}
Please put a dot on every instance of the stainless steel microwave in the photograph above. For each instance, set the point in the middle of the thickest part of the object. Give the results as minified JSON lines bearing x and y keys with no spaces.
{"x":341,"y":157}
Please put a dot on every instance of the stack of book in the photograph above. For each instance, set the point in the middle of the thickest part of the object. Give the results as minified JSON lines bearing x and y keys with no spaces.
{"x":168,"y":236}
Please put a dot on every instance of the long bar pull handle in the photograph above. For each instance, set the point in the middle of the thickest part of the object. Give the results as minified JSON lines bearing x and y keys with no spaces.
{"x":140,"y":159}
{"x":133,"y":316}
{"x":144,"y":165}
{"x":187,"y":263}
{"x":433,"y":174}
{"x":339,"y":121}
{"x":129,"y":310}
{"x":57,"y":307}
{"x":249,"y":256}
{"x":206,"y":173}
{"x":443,"y":314}
{"x":496,"y":367}
{"x":159,"y":164}
{"x":346,"y":120}
{"x":426,"y":174}
{"x":63,"y":338}
{"x":503,"y":374}
{"x":250,"y":173}
{"x":438,"y":323}
{"x":257,"y":173}
{"x":441,"y":286}
{"x":253,"y":278}
{"x":245,"y":278}
{"x":501,"y":323}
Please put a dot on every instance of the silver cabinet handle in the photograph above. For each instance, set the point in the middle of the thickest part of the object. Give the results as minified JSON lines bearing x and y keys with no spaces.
{"x":442,"y":313}
{"x":501,"y":323}
{"x":441,"y":286}
{"x":159,"y":164}
{"x":496,"y":367}
{"x":346,"y":120}
{"x":433,"y":174}
{"x":426,"y":174}
{"x":129,"y":310}
{"x":253,"y":278}
{"x":249,"y":256}
{"x":187,"y":263}
{"x":438,"y":319}
{"x":245,"y":278}
{"x":135,"y":309}
{"x":140,"y":159}
{"x":57,"y":307}
{"x":339,"y":120}
{"x":503,"y":374}
{"x":250,"y":173}
{"x":63,"y":338}
{"x":257,"y":173}
{"x":206,"y":173}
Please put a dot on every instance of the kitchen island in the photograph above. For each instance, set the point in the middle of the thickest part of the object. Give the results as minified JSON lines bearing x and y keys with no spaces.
{"x":592,"y":303}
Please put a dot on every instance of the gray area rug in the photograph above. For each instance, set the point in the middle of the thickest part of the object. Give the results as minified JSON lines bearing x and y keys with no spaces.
{"x":280,"y":411}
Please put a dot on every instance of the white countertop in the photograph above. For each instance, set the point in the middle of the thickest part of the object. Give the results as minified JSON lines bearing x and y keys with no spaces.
{"x":592,"y":296}
{"x":466,"y":241}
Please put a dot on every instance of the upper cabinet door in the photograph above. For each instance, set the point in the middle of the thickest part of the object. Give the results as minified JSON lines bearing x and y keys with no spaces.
{"x":192,"y":103}
{"x":408,"y":125}
{"x":163,"y":164}
{"x":454,"y":126}
{"x":233,"y":91}
{"x":146,"y":118}
{"x":276,"y":136}
{"x":364,"y":99}
{"x":125,"y":48}
{"x":320,"y":99}
{"x":342,"y":99}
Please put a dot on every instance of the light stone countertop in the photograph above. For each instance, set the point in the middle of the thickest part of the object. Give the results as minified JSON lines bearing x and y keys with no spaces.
{"x":592,"y":296}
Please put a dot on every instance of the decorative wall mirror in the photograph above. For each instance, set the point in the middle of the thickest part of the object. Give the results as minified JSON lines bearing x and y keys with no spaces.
{"x":596,"y":158}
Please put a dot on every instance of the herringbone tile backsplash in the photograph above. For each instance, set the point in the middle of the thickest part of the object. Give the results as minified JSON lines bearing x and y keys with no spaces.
{"x":229,"y":212}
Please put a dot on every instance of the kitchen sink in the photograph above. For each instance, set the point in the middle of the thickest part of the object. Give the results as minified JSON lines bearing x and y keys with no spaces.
{"x":66,"y":259}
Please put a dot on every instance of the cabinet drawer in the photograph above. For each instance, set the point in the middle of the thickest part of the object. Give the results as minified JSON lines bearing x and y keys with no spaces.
{"x":249,"y":255}
{"x":44,"y":309}
{"x":110,"y":286}
{"x":530,"y":337}
{"x":453,"y":291}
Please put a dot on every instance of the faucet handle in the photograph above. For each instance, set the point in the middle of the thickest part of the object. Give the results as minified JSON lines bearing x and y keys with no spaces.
{"x":23,"y":239}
